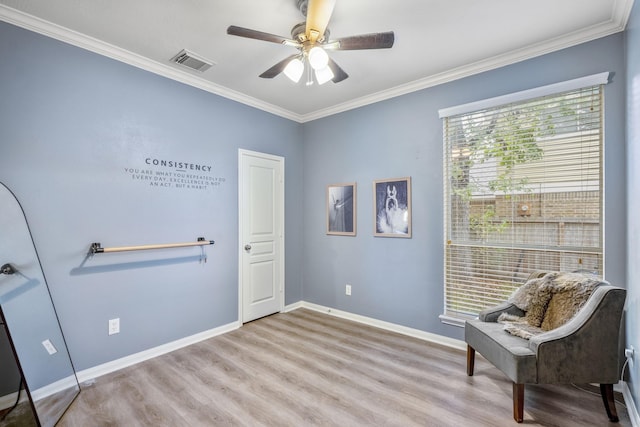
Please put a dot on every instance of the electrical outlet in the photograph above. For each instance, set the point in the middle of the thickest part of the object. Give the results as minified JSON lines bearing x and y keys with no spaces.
{"x":347,"y":290}
{"x":629,"y":352}
{"x":49,"y":347}
{"x":114,"y":326}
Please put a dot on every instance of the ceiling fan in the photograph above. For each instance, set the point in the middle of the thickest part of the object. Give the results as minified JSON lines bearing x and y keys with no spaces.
{"x":311,"y":38}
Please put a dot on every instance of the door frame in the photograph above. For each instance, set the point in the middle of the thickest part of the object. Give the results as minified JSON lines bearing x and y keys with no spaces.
{"x":242,"y":153}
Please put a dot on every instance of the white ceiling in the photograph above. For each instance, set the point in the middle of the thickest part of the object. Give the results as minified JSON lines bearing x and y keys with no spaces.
{"x":435,"y":41}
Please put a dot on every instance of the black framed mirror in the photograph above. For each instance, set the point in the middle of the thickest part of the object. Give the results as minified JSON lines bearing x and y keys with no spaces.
{"x":32,"y":328}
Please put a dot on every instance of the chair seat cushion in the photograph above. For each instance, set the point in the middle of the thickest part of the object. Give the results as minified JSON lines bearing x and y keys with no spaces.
{"x":509,"y":353}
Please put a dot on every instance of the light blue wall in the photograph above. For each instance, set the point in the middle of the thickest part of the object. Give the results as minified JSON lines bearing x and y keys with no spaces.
{"x":401,"y":280}
{"x":71,"y":122}
{"x":633,"y":199}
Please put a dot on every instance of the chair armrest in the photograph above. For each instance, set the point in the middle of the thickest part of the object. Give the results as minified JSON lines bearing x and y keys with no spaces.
{"x":585,"y":349}
{"x":491,"y":314}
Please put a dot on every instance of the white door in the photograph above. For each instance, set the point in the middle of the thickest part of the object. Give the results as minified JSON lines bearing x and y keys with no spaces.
{"x":261,"y":208}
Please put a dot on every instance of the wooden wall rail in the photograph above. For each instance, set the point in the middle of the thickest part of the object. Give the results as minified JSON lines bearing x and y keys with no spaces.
{"x":96,"y":248}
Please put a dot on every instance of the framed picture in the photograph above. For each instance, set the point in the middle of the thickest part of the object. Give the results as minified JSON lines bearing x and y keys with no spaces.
{"x":341,"y":209}
{"x":392,"y":207}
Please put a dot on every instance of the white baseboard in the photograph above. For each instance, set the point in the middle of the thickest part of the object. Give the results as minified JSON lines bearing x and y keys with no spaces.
{"x":294,"y":306}
{"x":415,"y":333}
{"x":115,"y":365}
{"x":54,"y":388}
{"x":631,"y":406}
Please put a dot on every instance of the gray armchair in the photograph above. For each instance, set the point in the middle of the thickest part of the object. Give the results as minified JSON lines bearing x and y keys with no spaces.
{"x":583,"y":350}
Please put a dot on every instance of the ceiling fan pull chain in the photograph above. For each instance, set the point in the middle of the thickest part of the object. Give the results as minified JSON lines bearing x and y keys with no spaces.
{"x":309,"y":75}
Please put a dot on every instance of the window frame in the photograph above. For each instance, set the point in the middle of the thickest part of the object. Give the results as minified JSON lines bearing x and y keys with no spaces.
{"x":523,"y":97}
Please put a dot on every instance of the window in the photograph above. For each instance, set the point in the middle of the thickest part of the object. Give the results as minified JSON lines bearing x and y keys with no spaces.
{"x":523,"y":192}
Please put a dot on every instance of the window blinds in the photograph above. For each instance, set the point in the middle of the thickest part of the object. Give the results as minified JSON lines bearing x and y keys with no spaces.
{"x":523,"y":192}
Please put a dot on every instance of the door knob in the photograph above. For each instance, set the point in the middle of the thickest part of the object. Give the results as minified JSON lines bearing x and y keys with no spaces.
{"x":247,"y":247}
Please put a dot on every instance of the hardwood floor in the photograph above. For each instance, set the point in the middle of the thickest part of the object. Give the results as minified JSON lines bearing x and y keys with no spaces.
{"x":20,"y":416}
{"x":307,"y":368}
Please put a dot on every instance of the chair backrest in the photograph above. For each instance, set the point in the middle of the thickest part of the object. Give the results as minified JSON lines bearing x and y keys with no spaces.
{"x":586,"y":348}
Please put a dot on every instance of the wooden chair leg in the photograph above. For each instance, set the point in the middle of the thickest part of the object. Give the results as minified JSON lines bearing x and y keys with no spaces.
{"x":471,"y":358}
{"x":518,"y":402}
{"x":606,"y":390}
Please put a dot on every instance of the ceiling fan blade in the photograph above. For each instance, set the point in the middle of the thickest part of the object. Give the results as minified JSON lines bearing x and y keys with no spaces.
{"x":278,"y":68}
{"x":338,"y":73}
{"x":318,"y":15}
{"x":365,"y":41}
{"x":258,"y":35}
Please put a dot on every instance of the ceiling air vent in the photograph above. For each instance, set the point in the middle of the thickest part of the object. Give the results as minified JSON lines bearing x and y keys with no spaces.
{"x":191,"y":60}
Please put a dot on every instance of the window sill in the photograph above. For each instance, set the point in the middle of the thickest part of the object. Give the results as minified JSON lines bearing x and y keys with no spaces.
{"x":453,"y":321}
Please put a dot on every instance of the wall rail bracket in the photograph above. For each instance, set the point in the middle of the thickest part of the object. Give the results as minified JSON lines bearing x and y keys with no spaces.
{"x":7,"y":269}
{"x":96,"y":248}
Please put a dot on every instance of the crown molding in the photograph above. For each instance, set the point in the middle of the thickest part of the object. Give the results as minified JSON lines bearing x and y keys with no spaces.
{"x":46,"y":28}
{"x":620,"y":15}
{"x":585,"y":35}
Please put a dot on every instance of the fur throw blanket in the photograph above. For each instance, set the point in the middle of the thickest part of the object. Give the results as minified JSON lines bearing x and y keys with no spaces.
{"x":548,"y":302}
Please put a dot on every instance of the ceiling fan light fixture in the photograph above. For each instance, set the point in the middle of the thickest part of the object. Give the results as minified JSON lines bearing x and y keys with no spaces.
{"x":323,"y":75}
{"x":318,"y":58}
{"x":312,"y":38}
{"x":294,"y":70}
